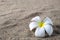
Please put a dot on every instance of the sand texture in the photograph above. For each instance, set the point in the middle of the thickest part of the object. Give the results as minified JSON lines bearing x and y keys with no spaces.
{"x":15,"y":16}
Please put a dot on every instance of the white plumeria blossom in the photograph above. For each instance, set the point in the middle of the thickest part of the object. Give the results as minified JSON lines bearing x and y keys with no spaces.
{"x":41,"y":26}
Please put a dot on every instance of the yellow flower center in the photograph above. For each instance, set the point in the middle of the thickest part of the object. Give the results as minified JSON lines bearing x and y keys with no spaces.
{"x":41,"y":24}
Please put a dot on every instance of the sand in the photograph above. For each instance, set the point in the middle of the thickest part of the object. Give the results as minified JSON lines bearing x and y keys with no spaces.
{"x":15,"y":16}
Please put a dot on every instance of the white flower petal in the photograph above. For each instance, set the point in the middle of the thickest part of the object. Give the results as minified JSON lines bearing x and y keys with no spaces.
{"x":48,"y":21}
{"x":40,"y":32}
{"x":37,"y":18}
{"x":49,"y":29}
{"x":32,"y":25}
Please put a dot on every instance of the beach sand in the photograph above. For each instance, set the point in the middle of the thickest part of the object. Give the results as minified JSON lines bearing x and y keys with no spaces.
{"x":15,"y":16}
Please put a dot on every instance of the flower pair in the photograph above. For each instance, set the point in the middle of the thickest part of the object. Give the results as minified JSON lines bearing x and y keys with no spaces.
{"x":41,"y":26}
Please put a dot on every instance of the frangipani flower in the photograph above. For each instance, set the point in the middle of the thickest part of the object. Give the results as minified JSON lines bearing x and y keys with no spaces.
{"x":41,"y":26}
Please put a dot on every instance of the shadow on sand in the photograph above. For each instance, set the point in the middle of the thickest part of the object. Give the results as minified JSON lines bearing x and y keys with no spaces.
{"x":56,"y":31}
